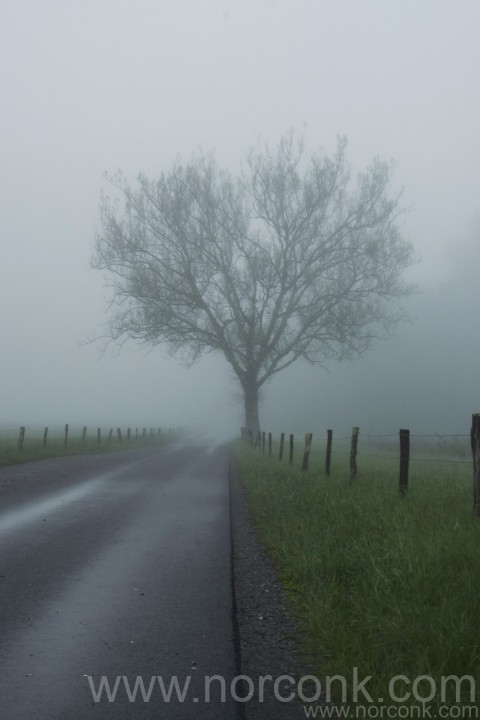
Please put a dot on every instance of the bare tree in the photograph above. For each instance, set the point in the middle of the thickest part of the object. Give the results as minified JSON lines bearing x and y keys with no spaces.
{"x":285,"y":261}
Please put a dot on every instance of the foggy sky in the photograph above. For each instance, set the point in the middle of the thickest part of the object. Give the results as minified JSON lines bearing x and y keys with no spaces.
{"x":92,"y":86}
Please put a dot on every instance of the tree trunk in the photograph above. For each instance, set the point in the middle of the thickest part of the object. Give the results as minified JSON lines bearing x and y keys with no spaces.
{"x":251,"y":394}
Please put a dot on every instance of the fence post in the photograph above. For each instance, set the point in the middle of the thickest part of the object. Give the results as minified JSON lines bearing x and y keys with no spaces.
{"x":258,"y":441}
{"x":21,"y":437}
{"x":475,"y":442}
{"x":328,"y":457}
{"x":119,"y":435}
{"x":99,"y":435}
{"x":290,"y":456}
{"x":66,"y":434}
{"x":110,"y":435}
{"x":308,"y":446}
{"x":263,"y":442}
{"x":84,"y":434}
{"x":129,"y":432}
{"x":270,"y":444}
{"x":282,"y":442}
{"x":353,"y":452}
{"x":404,"y":460}
{"x":45,"y":434}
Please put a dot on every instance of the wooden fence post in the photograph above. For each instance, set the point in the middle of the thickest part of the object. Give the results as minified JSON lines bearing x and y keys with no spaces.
{"x":119,"y":435}
{"x":258,"y":441}
{"x":99,"y":435}
{"x":263,"y":443}
{"x":404,"y":460}
{"x":270,"y":444}
{"x":328,"y":457}
{"x":475,"y":442}
{"x":353,"y":452}
{"x":290,"y":456}
{"x":84,"y":434}
{"x":282,"y":442}
{"x":21,"y":437}
{"x":110,"y":435}
{"x":308,"y":447}
{"x":66,"y":434}
{"x":45,"y":434}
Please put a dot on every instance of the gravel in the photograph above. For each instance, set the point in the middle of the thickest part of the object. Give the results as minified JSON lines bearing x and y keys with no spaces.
{"x":267,"y":633}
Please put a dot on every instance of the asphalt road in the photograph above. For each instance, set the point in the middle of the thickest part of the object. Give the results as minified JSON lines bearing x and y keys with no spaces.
{"x":121,"y":572}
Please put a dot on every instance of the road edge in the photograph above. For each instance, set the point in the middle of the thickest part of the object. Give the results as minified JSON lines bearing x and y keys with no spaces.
{"x":267,"y":634}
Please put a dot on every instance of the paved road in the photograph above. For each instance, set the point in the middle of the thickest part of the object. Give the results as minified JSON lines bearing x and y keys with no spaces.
{"x":122,"y":572}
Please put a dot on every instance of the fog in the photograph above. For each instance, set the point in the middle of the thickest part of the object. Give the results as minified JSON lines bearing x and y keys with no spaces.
{"x":89,"y":87}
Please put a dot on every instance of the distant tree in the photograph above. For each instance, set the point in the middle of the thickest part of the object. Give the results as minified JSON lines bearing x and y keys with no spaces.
{"x":284,"y":261}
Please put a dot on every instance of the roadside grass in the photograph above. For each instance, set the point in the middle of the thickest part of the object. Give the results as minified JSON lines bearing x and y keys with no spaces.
{"x":56,"y":447}
{"x":390,"y":586}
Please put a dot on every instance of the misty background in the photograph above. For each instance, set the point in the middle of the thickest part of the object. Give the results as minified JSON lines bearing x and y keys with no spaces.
{"x":89,"y":87}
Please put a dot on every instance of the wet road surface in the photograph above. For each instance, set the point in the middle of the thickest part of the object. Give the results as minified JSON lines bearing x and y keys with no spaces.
{"x":119,"y":574}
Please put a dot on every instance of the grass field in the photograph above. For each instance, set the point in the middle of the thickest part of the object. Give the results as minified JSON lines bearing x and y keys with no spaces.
{"x":388,"y":585}
{"x":34,"y":448}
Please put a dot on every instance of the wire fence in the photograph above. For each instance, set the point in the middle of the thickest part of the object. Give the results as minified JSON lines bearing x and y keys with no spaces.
{"x":433,"y":448}
{"x":23,"y":436}
{"x":439,"y":444}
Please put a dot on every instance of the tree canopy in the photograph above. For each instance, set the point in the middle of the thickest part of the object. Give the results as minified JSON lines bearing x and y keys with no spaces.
{"x":289,"y":259}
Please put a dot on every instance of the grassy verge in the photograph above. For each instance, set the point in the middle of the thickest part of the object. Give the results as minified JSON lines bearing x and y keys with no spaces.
{"x":35,"y":450}
{"x":389,"y":586}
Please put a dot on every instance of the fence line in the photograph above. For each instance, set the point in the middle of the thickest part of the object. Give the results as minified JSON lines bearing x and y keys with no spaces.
{"x":66,"y":435}
{"x":404,"y":458}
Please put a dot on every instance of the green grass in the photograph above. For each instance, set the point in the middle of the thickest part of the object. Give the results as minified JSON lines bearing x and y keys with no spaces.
{"x":34,"y":448}
{"x":385,"y":584}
